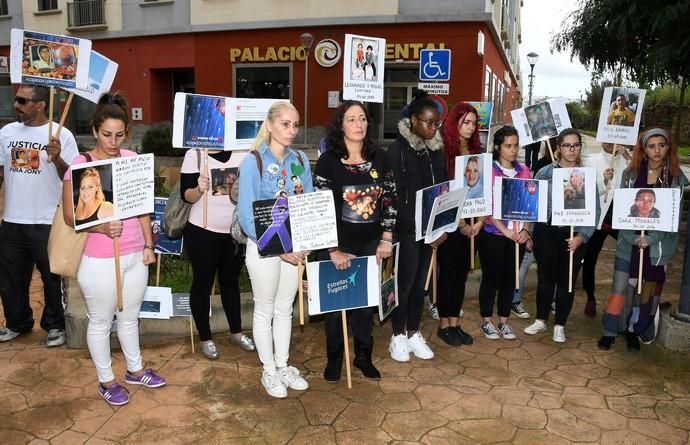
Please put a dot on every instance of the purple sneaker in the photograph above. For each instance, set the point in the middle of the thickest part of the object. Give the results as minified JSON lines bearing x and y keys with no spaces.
{"x":149,"y":379}
{"x":115,"y":395}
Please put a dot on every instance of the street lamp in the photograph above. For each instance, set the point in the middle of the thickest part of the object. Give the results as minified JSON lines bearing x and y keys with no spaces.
{"x":306,"y":40}
{"x":532,"y":59}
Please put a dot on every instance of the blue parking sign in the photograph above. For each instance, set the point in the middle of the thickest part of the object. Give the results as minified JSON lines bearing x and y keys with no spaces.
{"x":434,"y":65}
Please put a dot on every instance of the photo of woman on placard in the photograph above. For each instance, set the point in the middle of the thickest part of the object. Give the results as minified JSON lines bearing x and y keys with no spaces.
{"x":91,"y":204}
{"x":473,"y":178}
{"x":574,"y":191}
{"x":643,"y":207}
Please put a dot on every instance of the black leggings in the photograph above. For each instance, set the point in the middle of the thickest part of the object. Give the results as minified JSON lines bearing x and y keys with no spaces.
{"x":211,"y":252}
{"x":413,"y":265}
{"x":453,"y":258}
{"x":360,"y":319}
{"x":551,"y":253}
{"x":594,"y":245}
{"x":497,"y":254}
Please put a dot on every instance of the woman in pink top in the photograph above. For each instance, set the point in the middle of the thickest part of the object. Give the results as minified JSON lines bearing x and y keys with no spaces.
{"x":96,"y":275}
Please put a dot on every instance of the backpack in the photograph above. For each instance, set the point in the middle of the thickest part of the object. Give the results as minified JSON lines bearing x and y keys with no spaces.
{"x":235,"y":229}
{"x":176,"y":211}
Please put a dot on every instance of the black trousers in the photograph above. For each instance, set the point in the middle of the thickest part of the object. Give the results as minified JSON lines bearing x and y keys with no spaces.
{"x":211,"y":253}
{"x":453,"y":259}
{"x":360,"y":319}
{"x":497,"y":254}
{"x":413,"y":265}
{"x":21,"y":247}
{"x":551,"y":253}
{"x":594,"y":245}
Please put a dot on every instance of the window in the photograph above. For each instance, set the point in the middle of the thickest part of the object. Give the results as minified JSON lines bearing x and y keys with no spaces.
{"x":487,"y":85}
{"x":3,"y":8}
{"x":47,"y":5}
{"x":263,"y":81}
{"x":6,"y":97}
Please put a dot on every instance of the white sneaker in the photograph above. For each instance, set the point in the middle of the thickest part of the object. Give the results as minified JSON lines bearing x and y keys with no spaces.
{"x":433,"y":311}
{"x":535,"y":328}
{"x":462,"y":313}
{"x":417,"y":344}
{"x":398,"y":348}
{"x":274,"y":387}
{"x":290,"y":378}
{"x":558,"y":333}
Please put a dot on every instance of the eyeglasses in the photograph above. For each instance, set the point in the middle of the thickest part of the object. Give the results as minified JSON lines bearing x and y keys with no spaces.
{"x":432,"y":123}
{"x":23,"y":100}
{"x":572,"y":147}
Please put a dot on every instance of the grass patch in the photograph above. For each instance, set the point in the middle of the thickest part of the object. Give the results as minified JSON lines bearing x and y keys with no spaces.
{"x":684,"y":150}
{"x":176,"y":272}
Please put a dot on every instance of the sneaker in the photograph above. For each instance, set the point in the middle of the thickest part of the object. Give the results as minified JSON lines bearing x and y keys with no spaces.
{"x":398,"y":348}
{"x":115,"y":395}
{"x":489,"y":331}
{"x":208,"y":348}
{"x":553,"y":307}
{"x":605,"y":342}
{"x":591,"y":308}
{"x":449,"y":336}
{"x":519,"y":310}
{"x":272,"y":384}
{"x":7,"y":334}
{"x":290,"y":378}
{"x":632,"y":342}
{"x":417,"y":344}
{"x":433,"y":310}
{"x":245,"y":342}
{"x":149,"y":379}
{"x":506,"y":331}
{"x":535,"y":328}
{"x":56,"y":337}
{"x":464,"y":336}
{"x":558,"y":333}
{"x":462,"y":313}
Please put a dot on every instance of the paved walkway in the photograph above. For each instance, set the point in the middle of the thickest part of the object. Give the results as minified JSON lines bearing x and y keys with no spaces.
{"x":527,"y":391}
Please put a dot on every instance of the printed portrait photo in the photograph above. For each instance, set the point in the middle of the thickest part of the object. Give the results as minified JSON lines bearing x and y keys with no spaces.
{"x":623,"y":108}
{"x":644,"y":205}
{"x":474,"y":177}
{"x":647,"y":209}
{"x":222,"y":180}
{"x":520,"y":200}
{"x":92,"y":192}
{"x":574,"y":191}
{"x":204,"y":121}
{"x":541,"y":121}
{"x":25,"y":158}
{"x":49,"y":59}
{"x":364,"y":58}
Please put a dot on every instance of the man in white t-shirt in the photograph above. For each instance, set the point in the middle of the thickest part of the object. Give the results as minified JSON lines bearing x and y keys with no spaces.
{"x":33,"y":168}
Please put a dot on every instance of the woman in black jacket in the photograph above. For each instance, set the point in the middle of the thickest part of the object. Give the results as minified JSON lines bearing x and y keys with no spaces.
{"x":417,"y":160}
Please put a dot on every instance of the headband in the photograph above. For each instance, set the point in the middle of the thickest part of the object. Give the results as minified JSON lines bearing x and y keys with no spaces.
{"x":654,"y":132}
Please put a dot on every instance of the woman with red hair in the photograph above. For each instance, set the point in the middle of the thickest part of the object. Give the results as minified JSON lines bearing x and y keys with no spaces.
{"x":460,"y":137}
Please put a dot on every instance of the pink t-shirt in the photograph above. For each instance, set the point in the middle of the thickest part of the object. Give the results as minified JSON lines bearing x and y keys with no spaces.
{"x":99,"y":245}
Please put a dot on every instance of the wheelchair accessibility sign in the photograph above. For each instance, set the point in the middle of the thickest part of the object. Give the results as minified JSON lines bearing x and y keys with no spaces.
{"x":434,"y":65}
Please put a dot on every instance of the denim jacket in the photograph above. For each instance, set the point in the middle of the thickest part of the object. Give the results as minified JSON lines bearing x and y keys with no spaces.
{"x":255,"y":186}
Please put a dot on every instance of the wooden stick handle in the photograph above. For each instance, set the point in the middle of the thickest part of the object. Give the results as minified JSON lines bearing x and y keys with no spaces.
{"x":639,"y":277}
{"x":548,"y":144}
{"x":191,"y":332}
{"x":118,"y":278}
{"x":570,"y":264}
{"x":343,"y":316}
{"x":430,"y":271}
{"x":206,"y":192}
{"x":300,"y":292}
{"x":472,"y":245}
{"x":158,"y":270}
{"x":63,"y":117}
{"x":50,"y":112}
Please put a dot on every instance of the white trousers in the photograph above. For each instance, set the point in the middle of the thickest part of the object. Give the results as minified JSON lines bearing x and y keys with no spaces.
{"x":96,"y":279}
{"x":274,"y":284}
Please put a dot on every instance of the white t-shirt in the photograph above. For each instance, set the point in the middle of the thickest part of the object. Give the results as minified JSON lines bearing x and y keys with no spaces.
{"x":32,"y":184}
{"x":222,"y":175}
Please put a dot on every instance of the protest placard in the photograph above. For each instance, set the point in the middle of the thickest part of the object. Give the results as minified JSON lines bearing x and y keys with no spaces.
{"x":112,"y":189}
{"x":485,"y":110}
{"x":101,"y":76}
{"x":541,"y":121}
{"x":199,"y":121}
{"x":573,"y":197}
{"x":647,"y":209}
{"x":157,"y":303}
{"x":619,"y":119}
{"x":445,"y":214}
{"x":313,"y":223}
{"x":333,"y":290}
{"x":389,"y":283}
{"x":38,"y":58}
{"x":424,"y":202}
{"x":520,"y":199}
{"x":161,"y":243}
{"x":474,"y":172}
{"x":363,"y":68}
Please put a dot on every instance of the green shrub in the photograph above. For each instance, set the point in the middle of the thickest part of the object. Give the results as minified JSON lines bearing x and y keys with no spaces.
{"x":158,"y":140}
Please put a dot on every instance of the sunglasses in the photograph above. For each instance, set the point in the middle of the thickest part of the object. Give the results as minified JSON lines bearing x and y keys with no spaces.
{"x":23,"y":100}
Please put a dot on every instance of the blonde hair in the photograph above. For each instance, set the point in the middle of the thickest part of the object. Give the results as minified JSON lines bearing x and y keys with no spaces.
{"x":263,"y":136}
{"x":98,"y":197}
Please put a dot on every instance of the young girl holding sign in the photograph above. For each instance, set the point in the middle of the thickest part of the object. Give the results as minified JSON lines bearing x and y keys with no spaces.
{"x":274,"y":279}
{"x":359,"y":174}
{"x":553,"y":245}
{"x":497,"y":244}
{"x":654,"y":164}
{"x":460,"y":137}
{"x":96,"y":275}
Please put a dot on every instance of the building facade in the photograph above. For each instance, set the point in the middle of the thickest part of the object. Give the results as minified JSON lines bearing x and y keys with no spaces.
{"x":251,"y":48}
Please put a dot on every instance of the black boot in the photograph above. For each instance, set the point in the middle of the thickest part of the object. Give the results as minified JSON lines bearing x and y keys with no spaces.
{"x":335,"y":363}
{"x":363,"y":360}
{"x":632,"y":341}
{"x":605,"y":342}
